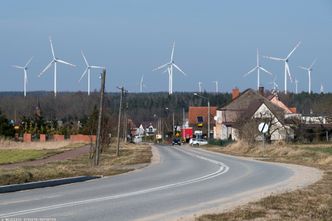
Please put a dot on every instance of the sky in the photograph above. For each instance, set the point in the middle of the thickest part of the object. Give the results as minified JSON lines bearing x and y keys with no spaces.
{"x":216,"y":40}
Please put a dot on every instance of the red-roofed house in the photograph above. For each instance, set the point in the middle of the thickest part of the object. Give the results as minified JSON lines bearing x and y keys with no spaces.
{"x":198,"y":118}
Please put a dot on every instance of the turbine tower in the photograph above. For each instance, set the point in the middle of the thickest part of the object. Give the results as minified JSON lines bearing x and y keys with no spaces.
{"x":200,"y":87}
{"x":170,"y":66}
{"x":296,"y":85}
{"x":25,"y":79}
{"x":141,"y":84}
{"x":54,"y":61}
{"x":309,"y":70}
{"x":88,"y":69}
{"x":321,"y":88}
{"x":285,"y":60}
{"x":258,"y":67}
{"x":217,"y":86}
{"x":275,"y":85}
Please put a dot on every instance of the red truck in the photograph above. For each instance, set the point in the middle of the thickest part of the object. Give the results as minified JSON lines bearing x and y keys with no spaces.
{"x":187,"y":133}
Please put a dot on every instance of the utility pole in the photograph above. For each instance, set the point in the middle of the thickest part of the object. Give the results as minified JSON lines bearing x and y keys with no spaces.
{"x":119,"y":121}
{"x":102,"y":92}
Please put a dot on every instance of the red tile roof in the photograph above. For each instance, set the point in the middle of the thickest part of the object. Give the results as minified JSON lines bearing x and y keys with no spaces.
{"x":194,"y":112}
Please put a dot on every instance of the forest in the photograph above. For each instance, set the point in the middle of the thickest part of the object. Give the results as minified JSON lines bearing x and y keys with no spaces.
{"x":138,"y":107}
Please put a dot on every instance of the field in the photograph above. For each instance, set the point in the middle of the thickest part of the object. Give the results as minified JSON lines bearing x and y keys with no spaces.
{"x":311,"y":203}
{"x":132,"y":157}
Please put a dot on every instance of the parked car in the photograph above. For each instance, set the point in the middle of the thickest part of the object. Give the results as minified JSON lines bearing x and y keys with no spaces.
{"x":176,"y":141}
{"x":197,"y":142}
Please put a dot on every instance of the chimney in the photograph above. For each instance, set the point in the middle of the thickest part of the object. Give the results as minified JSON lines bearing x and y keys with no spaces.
{"x":235,"y":93}
{"x":261,"y":91}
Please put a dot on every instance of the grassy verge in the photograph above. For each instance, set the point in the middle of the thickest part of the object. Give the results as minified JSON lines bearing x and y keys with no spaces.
{"x":131,"y":155}
{"x":311,"y":203}
{"x":16,"y":155}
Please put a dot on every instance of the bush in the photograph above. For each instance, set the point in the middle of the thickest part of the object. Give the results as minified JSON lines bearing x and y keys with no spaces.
{"x":221,"y":143}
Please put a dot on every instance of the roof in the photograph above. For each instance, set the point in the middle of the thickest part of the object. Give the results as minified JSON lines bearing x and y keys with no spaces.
{"x":194,"y":112}
{"x":246,"y":105}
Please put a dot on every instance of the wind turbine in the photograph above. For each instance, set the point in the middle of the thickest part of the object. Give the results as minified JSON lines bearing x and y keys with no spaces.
{"x":285,"y":60}
{"x":141,"y":84}
{"x":296,"y":86}
{"x":275,"y":85}
{"x":217,"y":86}
{"x":170,"y":66}
{"x":54,"y":61}
{"x":309,"y":69}
{"x":25,"y":69}
{"x":88,"y":69}
{"x":258,"y":67}
{"x":200,"y":87}
{"x":321,"y":88}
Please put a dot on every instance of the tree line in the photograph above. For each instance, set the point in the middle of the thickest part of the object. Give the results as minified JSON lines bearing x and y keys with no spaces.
{"x":73,"y":107}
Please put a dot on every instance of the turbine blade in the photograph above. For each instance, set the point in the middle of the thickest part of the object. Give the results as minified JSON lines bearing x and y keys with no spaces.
{"x":304,"y":68}
{"x":298,"y":44}
{"x":65,"y":62}
{"x":28,"y":62}
{"x":179,"y":69}
{"x":250,"y":71}
{"x":172,"y":55}
{"x":86,"y":62}
{"x":83,"y":74}
{"x":160,"y":67}
{"x":266,"y":71}
{"x":16,"y":66}
{"x":274,"y":58}
{"x":52,"y":47}
{"x":98,"y":67}
{"x":312,"y":64}
{"x":289,"y":74}
{"x":45,"y":69}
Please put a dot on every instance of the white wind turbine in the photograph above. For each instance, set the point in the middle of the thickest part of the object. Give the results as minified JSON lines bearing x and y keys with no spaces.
{"x":54,"y":61}
{"x":170,"y":66}
{"x":275,"y":85}
{"x":88,"y":69}
{"x":217,"y":86}
{"x":285,"y":60}
{"x":309,"y":70}
{"x":321,"y":88}
{"x":25,"y":69}
{"x":141,"y":84}
{"x":296,"y":86}
{"x":258,"y":67}
{"x":200,"y":87}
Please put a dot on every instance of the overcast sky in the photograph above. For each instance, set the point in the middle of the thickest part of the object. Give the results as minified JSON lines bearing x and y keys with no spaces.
{"x":215,"y":41}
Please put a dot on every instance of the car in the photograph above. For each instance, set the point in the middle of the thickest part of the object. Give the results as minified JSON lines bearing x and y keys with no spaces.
{"x":198,"y":142}
{"x":176,"y":141}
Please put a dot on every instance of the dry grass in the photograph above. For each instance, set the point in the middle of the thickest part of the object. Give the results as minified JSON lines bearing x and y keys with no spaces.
{"x":311,"y":203}
{"x":9,"y":144}
{"x":132,"y":157}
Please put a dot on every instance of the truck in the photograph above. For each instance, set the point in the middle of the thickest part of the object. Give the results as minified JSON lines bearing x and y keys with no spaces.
{"x":187,"y":133}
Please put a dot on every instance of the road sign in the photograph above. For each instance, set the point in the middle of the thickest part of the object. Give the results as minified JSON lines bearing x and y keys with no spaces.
{"x":263,"y":127}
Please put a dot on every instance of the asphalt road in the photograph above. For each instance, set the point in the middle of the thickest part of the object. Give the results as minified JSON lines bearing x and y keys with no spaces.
{"x":185,"y":181}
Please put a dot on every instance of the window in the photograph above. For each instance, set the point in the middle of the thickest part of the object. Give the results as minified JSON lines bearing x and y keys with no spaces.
{"x":200,"y":119}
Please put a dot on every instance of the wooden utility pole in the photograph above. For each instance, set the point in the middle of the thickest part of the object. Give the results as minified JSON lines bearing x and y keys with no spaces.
{"x":119,"y":121}
{"x":100,"y":116}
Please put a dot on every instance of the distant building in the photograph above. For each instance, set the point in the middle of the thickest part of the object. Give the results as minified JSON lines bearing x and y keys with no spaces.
{"x":251,"y":105}
{"x":198,"y":118}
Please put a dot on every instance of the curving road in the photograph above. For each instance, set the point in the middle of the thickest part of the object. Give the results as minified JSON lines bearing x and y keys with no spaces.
{"x":185,"y":181}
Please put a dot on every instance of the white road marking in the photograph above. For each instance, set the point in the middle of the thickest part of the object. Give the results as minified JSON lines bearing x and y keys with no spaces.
{"x":222,"y":169}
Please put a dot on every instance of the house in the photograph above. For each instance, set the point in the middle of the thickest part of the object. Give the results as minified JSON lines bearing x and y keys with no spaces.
{"x":252,"y":105}
{"x":198,"y":118}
